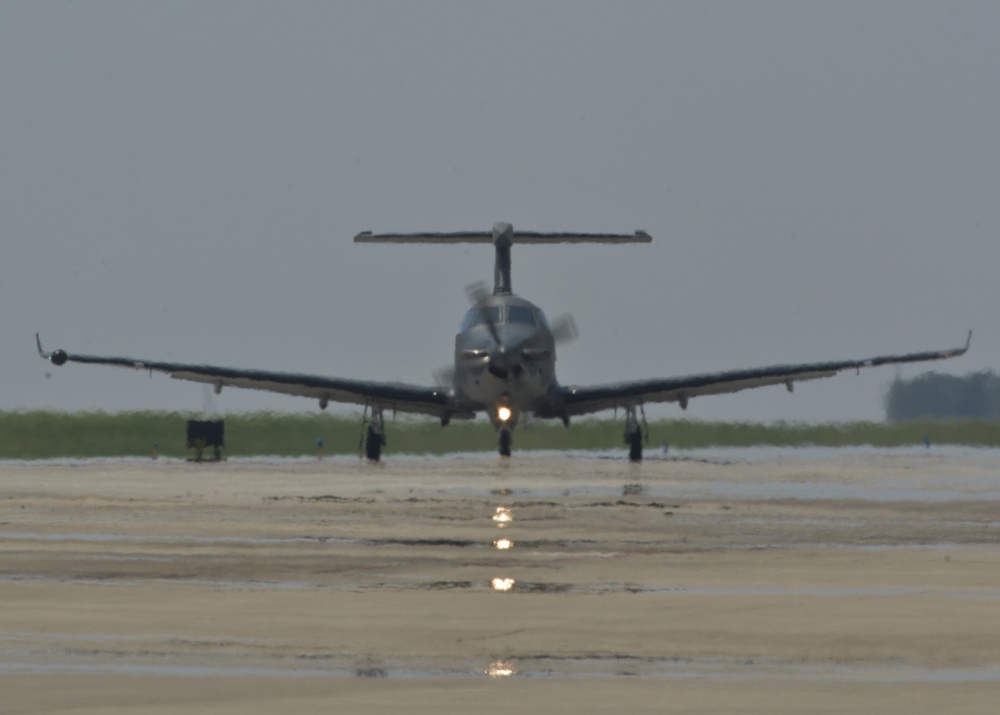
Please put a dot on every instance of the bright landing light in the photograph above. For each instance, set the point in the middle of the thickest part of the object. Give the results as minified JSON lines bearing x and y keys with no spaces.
{"x":503,"y":413}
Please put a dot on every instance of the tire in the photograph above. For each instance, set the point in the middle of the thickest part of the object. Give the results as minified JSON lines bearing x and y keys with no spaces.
{"x":635,"y":446}
{"x":504,"y":440}
{"x":373,"y":445}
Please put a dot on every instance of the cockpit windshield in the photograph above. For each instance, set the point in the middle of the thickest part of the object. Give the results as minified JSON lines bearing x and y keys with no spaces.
{"x":516,"y":314}
{"x":520,"y":314}
{"x":479,"y":316}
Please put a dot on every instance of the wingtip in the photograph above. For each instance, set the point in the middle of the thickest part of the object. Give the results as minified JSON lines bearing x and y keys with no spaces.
{"x":56,"y":357}
{"x":962,"y":350}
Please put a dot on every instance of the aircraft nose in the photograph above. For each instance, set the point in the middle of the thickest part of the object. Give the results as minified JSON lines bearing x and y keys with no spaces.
{"x":503,"y":362}
{"x":499,"y":356}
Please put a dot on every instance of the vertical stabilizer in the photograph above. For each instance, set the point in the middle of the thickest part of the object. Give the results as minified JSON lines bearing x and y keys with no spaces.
{"x":503,"y":239}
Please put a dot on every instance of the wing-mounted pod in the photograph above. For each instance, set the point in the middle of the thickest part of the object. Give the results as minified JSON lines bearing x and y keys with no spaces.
{"x":56,"y":357}
{"x":503,"y":236}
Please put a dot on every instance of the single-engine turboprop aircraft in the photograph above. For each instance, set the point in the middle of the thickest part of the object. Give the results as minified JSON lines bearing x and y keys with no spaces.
{"x":505,"y":354}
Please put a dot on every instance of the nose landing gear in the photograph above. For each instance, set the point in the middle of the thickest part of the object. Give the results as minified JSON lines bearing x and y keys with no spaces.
{"x":505,"y":437}
{"x":504,"y":420}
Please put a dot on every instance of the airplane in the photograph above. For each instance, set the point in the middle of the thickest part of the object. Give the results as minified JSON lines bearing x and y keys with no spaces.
{"x":504,"y":362}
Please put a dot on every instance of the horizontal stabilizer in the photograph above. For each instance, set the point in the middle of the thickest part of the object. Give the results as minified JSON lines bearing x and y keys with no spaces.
{"x":503,"y":236}
{"x":532,"y":237}
{"x":487,"y":237}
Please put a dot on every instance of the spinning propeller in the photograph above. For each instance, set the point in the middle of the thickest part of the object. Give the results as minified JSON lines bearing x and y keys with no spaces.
{"x":505,"y":359}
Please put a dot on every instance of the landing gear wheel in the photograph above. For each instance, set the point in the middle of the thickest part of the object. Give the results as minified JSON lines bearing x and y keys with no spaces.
{"x":634,"y":432}
{"x":635,"y":446}
{"x":504,"y":440}
{"x":373,"y":444}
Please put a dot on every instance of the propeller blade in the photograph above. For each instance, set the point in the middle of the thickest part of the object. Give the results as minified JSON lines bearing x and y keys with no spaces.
{"x":445,"y":376}
{"x":564,"y":329}
{"x":477,"y":292}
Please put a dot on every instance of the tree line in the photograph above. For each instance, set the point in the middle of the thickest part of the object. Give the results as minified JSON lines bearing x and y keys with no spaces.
{"x":934,"y":395}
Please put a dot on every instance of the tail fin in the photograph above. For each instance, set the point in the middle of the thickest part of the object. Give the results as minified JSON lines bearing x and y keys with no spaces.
{"x":503,"y":237}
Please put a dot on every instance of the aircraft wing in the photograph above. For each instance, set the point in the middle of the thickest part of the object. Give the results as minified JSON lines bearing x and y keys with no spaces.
{"x":583,"y":400}
{"x":386,"y":395}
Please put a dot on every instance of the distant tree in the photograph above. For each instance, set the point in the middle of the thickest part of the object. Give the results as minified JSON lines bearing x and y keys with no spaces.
{"x":937,"y":396}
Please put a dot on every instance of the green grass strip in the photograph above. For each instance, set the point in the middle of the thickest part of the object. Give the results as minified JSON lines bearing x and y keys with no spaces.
{"x":46,"y":435}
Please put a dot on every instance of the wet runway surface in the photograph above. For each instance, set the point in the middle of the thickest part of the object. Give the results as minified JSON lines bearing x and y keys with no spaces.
{"x":791,"y":569}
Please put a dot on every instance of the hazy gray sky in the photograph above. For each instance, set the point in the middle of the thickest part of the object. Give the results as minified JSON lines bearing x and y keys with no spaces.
{"x":182,"y":181}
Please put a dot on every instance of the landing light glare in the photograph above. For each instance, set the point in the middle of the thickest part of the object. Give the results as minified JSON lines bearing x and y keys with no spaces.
{"x":503,"y":413}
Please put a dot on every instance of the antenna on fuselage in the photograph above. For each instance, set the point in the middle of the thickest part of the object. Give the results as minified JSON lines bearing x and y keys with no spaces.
{"x":502,"y":237}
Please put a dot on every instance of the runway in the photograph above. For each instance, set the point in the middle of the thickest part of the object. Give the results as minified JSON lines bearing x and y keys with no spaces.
{"x":763,"y":580}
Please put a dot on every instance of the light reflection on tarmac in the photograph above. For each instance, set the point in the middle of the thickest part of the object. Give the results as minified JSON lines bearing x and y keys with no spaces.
{"x":551,"y":567}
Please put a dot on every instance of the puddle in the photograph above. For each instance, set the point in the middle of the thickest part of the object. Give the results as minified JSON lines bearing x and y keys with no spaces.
{"x":237,"y":540}
{"x":128,"y":659}
{"x":923,"y":489}
{"x":519,"y":587}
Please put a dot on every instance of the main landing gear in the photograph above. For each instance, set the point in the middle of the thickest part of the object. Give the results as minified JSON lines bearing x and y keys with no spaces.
{"x":635,"y":435}
{"x":374,"y":436}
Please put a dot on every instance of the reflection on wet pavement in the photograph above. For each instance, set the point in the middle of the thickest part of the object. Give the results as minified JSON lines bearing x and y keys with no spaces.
{"x":70,"y":654}
{"x":501,"y":669}
{"x":503,"y":517}
{"x":502,"y":584}
{"x":642,"y":545}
